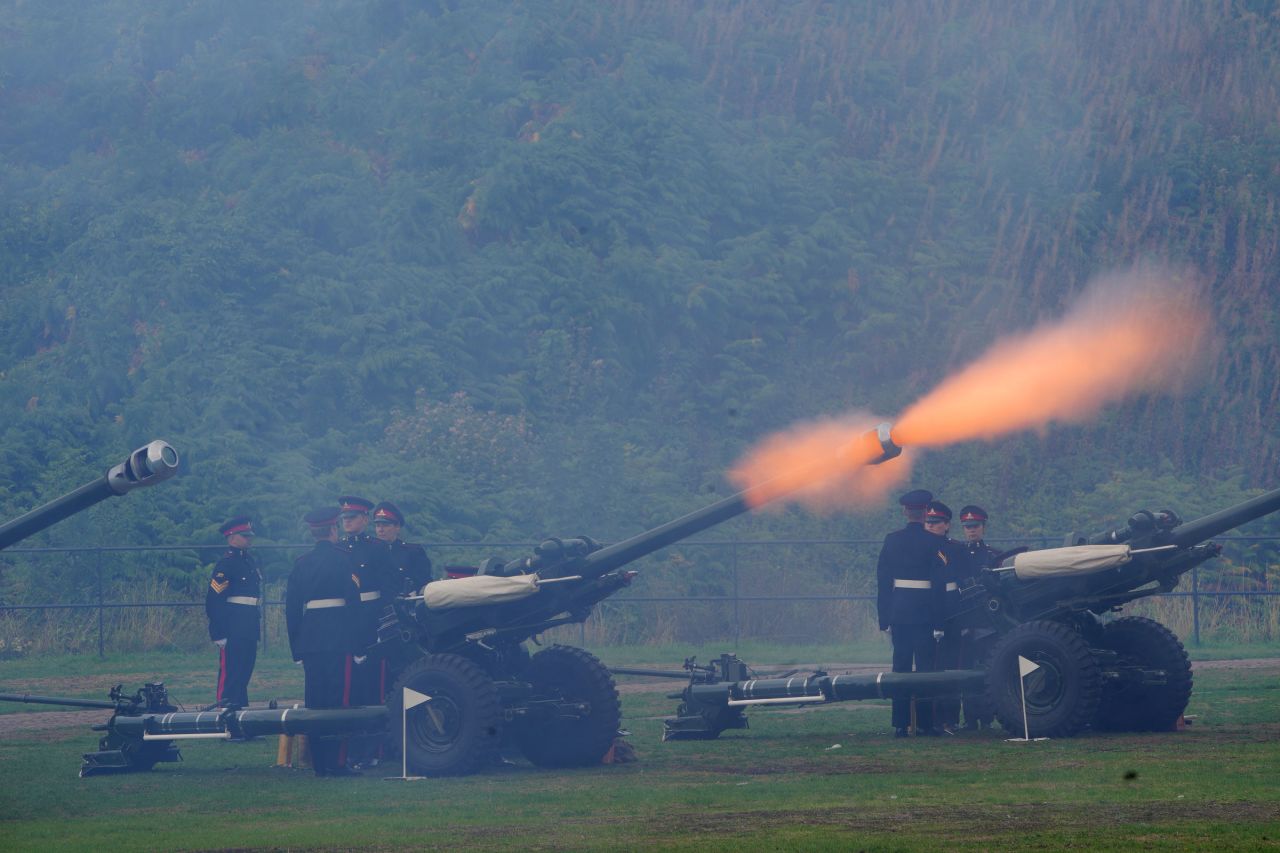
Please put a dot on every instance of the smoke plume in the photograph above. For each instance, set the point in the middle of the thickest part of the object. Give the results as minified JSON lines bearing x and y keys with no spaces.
{"x":1145,"y":331}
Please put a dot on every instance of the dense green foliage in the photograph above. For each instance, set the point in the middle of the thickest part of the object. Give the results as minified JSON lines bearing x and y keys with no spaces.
{"x":550,"y":266}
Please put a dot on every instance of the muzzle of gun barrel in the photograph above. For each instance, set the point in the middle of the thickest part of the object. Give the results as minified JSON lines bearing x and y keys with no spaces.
{"x":885,"y":447}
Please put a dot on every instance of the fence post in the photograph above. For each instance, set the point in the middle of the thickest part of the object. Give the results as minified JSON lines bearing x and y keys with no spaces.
{"x":101,"y":649}
{"x":1195,"y":605}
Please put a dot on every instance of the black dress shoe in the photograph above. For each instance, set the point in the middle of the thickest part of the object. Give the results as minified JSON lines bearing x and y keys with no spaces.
{"x":343,"y":771}
{"x":899,"y":732}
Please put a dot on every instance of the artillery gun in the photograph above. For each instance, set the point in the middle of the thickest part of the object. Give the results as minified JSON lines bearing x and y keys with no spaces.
{"x":461,"y":642}
{"x":1127,"y":674}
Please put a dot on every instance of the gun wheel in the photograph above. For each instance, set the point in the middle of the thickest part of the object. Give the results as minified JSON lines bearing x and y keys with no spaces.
{"x":1135,"y":707}
{"x":459,"y":728}
{"x":1062,"y":693}
{"x":584,"y":721}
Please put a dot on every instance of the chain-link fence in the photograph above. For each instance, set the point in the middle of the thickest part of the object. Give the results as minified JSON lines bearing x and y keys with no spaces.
{"x":134,"y":598}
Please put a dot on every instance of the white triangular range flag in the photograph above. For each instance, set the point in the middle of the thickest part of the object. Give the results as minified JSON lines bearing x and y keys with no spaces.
{"x":413,"y":698}
{"x":1026,"y":667}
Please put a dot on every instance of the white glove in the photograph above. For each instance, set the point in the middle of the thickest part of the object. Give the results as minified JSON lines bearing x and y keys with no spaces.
{"x":297,"y":663}
{"x":359,"y":659}
{"x":220,"y":643}
{"x":937,"y":635}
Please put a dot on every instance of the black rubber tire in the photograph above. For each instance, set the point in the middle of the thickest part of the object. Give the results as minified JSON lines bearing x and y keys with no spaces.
{"x":570,"y":674}
{"x":459,"y":730}
{"x":1143,"y":708}
{"x":1062,"y":695}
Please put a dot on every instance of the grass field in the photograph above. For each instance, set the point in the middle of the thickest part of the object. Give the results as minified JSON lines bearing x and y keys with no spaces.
{"x":818,"y":778}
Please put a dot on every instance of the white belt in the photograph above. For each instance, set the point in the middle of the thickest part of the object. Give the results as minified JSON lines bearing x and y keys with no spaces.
{"x":370,"y":596}
{"x":952,"y":586}
{"x":321,"y":603}
{"x":242,"y":599}
{"x":909,"y":584}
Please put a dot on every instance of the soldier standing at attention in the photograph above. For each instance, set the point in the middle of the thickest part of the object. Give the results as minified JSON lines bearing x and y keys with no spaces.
{"x":232,"y":605}
{"x":410,"y":561}
{"x":377,"y":585}
{"x":973,"y":518}
{"x":322,"y":611}
{"x":937,"y":520}
{"x":910,"y":590}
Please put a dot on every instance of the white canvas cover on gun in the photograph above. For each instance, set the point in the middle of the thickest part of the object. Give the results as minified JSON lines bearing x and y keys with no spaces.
{"x":1073,"y":560}
{"x":477,"y":591}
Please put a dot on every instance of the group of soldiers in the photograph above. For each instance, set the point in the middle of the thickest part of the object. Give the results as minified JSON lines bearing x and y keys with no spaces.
{"x":336,"y":597}
{"x":919,"y":575}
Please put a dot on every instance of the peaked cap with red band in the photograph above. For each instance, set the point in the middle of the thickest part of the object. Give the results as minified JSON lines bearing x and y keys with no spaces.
{"x":973,"y":512}
{"x":351,"y":503}
{"x":387,"y":511}
{"x":239,"y":524}
{"x":937,"y":511}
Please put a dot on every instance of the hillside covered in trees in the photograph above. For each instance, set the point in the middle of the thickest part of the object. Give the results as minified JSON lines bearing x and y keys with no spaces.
{"x":551,"y":266}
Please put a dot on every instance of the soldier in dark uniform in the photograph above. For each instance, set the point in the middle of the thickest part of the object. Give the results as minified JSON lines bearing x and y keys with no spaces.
{"x":973,"y":518}
{"x":910,"y":602}
{"x":937,"y":520}
{"x":378,"y":581}
{"x":410,"y":561}
{"x":232,"y":604}
{"x":322,"y":610}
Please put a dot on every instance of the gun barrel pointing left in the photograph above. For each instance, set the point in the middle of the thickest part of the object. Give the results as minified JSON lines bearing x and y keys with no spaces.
{"x":150,"y":464}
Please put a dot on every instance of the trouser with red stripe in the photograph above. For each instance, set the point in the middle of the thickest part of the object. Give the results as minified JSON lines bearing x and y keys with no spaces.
{"x":369,"y":686}
{"x":912,"y":645}
{"x":328,"y":685}
{"x":235,"y":666}
{"x":947,"y":708}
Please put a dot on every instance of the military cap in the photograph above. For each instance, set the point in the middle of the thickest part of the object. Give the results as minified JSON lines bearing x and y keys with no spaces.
{"x":240,"y":524}
{"x":323,"y":517}
{"x":937,"y":511}
{"x":350,"y":504}
{"x":973,"y":514}
{"x":917,"y":497}
{"x":388,"y":512}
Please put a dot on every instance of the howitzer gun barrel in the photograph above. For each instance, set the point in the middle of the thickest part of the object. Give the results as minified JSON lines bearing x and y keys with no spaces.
{"x":1192,"y":532}
{"x":251,"y":722}
{"x":32,"y":699}
{"x":145,"y":466}
{"x":880,"y":448}
{"x":838,"y":688}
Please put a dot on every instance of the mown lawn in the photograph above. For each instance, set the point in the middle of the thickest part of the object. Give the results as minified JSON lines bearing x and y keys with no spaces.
{"x":818,"y":778}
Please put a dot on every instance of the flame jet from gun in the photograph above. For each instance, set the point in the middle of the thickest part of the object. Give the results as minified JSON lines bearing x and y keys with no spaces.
{"x":1143,"y":331}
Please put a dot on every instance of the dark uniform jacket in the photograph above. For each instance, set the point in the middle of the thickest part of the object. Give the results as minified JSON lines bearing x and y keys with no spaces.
{"x":910,"y":578}
{"x":956,"y":572}
{"x":323,"y":575}
{"x":412,"y":566}
{"x":981,"y":555}
{"x":377,"y":579}
{"x":233,"y":598}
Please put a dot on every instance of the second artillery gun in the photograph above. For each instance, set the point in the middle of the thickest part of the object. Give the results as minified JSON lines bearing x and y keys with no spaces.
{"x":1126,"y":674}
